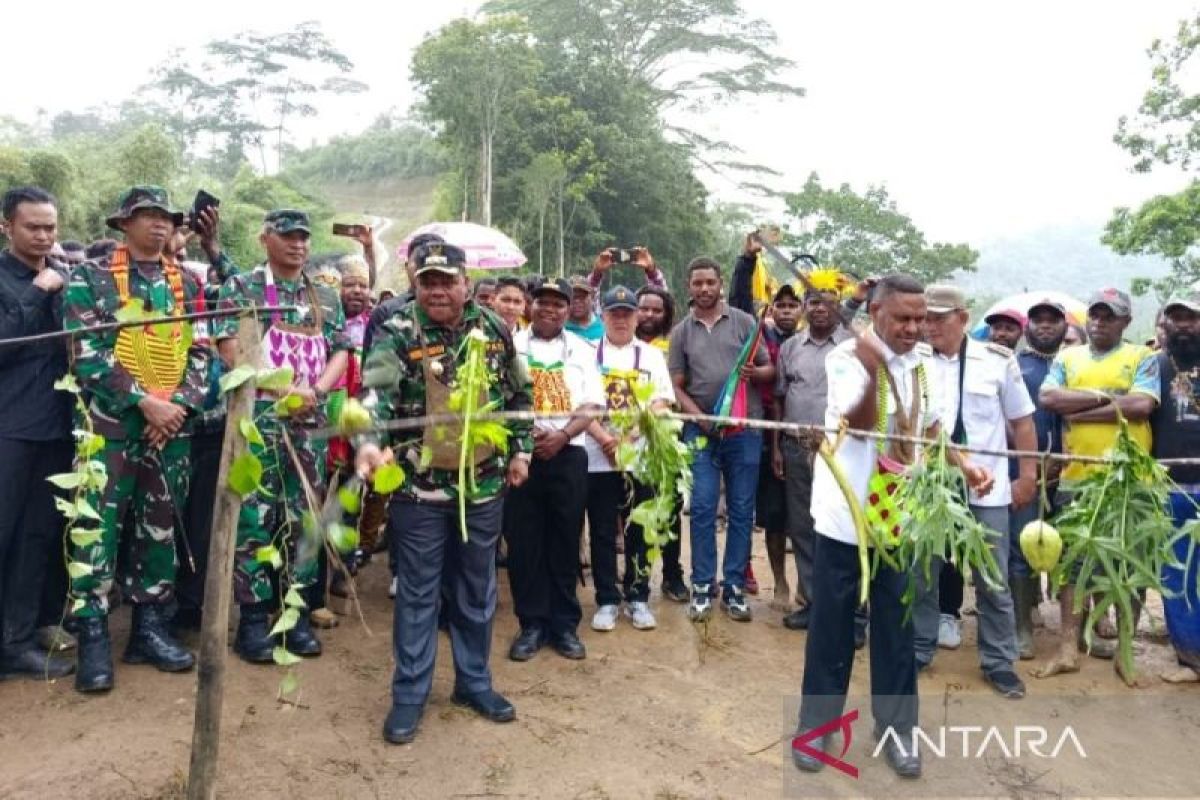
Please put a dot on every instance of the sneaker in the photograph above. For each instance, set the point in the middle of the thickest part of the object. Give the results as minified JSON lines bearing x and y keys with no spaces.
{"x":949,"y":632}
{"x":675,"y":589}
{"x":640,"y":615}
{"x":392,"y":588}
{"x":1006,"y":683}
{"x":605,"y":618}
{"x":700,"y":607}
{"x":751,"y":581}
{"x":735,"y":605}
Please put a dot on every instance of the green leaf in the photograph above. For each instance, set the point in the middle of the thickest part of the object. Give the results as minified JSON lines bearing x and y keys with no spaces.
{"x":342,"y":537}
{"x":287,"y":620}
{"x":85,"y":509}
{"x":67,"y":383}
{"x":283,"y":658}
{"x":293,"y":598}
{"x":274,"y":380}
{"x":289,"y":683}
{"x":269,"y":555}
{"x":349,"y":500}
{"x":67,"y":480}
{"x":250,"y":432}
{"x":388,"y":479}
{"x":78,"y":605}
{"x":236,"y":377}
{"x":77,"y":570}
{"x":84,"y":537}
{"x":245,"y":474}
{"x":67,"y":508}
{"x":91,"y":444}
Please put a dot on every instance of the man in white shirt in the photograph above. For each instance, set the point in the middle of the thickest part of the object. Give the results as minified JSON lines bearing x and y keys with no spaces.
{"x":983,"y":393}
{"x":623,"y":360}
{"x":890,"y":352}
{"x":546,"y":513}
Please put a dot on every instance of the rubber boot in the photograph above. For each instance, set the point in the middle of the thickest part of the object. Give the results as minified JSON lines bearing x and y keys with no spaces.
{"x":254,"y":642}
{"x":1024,"y":591}
{"x":151,"y":642}
{"x":94,"y":671}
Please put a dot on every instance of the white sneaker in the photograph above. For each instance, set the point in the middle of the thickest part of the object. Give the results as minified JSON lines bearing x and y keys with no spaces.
{"x":949,"y":632}
{"x":605,"y":618}
{"x":392,"y":588}
{"x":640,"y":615}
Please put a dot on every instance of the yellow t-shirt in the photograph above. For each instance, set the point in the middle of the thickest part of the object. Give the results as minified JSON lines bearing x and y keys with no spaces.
{"x":1122,"y":370}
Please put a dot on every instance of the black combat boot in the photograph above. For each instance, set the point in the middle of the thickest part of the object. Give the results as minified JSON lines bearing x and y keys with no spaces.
{"x":254,"y":642}
{"x":150,"y":642}
{"x":300,"y":640}
{"x":95,"y":670}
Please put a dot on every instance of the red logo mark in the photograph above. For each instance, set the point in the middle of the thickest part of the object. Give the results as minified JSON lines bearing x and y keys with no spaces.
{"x":842,"y":723}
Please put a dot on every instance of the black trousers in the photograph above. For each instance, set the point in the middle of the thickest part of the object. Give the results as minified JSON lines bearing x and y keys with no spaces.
{"x":829,"y":653}
{"x":31,"y":535}
{"x":610,"y":497}
{"x":546,"y":519}
{"x":192,"y":547}
{"x":950,"y":590}
{"x":672,"y":567}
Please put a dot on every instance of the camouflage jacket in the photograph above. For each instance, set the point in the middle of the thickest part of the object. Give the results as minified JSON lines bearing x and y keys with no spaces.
{"x":246,"y":289}
{"x":394,"y":388}
{"x":111,"y":390}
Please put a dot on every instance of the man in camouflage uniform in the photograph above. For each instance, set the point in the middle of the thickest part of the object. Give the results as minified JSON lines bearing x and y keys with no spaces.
{"x":410,"y":368}
{"x":144,"y":385}
{"x":311,"y":340}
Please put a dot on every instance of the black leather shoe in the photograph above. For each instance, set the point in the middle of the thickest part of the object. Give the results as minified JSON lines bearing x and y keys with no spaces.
{"x":906,"y":765}
{"x":400,"y":727}
{"x":151,"y":643}
{"x":300,"y":639}
{"x":254,"y":642}
{"x":490,"y":705}
{"x":34,"y":662}
{"x":797,"y":620}
{"x":94,"y":656}
{"x":527,"y":643}
{"x":807,"y":761}
{"x":567,"y":645}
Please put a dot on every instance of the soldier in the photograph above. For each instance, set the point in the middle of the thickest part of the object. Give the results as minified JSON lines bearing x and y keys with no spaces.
{"x":311,"y":340}
{"x":144,"y":385}
{"x":409,"y":371}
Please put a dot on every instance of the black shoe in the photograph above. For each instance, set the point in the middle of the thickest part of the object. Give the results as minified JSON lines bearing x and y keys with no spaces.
{"x":490,"y":705}
{"x":301,"y":640}
{"x":254,"y":642}
{"x":34,"y":662}
{"x":675,"y":589}
{"x":906,"y":765}
{"x":94,"y":672}
{"x":797,"y":620}
{"x":400,"y":727}
{"x":1006,"y":683}
{"x":151,"y":643}
{"x":807,"y":761}
{"x":567,"y":645}
{"x":860,"y":637}
{"x":527,"y":643}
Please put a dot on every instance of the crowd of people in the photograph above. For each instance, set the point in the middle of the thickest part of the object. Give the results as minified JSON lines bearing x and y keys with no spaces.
{"x":884,"y":354}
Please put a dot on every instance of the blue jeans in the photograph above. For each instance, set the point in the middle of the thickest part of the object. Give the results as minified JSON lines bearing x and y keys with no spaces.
{"x":736,"y":457}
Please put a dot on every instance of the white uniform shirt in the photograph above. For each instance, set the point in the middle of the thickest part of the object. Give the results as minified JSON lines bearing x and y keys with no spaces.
{"x":579,"y":371}
{"x":847,"y":382}
{"x":993,"y":393}
{"x":652,"y":369}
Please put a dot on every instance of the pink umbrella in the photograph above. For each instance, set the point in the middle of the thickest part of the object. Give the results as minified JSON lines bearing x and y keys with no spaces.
{"x":486,"y":248}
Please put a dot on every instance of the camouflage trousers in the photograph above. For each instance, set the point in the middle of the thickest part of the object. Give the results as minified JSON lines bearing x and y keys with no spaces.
{"x":144,"y":484}
{"x":275,"y":518}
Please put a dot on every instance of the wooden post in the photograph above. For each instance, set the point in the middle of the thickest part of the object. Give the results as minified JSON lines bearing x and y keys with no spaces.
{"x":218,"y":584}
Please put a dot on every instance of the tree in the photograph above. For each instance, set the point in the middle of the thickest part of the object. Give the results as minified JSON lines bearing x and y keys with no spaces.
{"x":254,"y":86}
{"x":472,"y":75}
{"x":1164,"y":132}
{"x":867,"y":234}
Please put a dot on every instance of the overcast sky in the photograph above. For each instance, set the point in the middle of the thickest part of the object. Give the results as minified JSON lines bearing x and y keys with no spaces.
{"x":984,"y":120}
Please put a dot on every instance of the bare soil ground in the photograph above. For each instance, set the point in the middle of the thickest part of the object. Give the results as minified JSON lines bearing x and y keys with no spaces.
{"x":679,"y":712}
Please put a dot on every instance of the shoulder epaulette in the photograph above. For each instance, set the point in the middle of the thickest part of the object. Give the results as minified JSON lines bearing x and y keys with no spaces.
{"x":999,"y":349}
